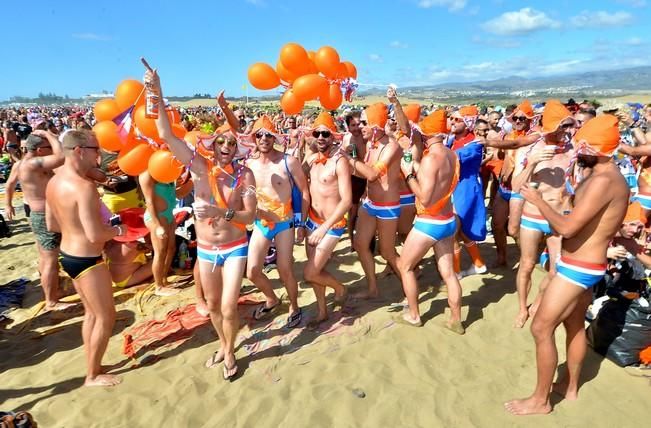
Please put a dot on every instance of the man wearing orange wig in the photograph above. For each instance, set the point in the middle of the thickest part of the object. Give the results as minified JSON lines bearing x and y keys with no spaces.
{"x":275,"y":173}
{"x":432,"y":180}
{"x":600,"y":204}
{"x":545,"y":163}
{"x":381,"y":208}
{"x":331,"y":198}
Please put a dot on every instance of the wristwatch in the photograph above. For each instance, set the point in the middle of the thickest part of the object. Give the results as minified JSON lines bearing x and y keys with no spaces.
{"x":230,"y":213}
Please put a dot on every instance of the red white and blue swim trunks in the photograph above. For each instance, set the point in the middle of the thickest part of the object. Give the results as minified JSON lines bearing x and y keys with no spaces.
{"x":583,"y":274}
{"x":382,"y":210}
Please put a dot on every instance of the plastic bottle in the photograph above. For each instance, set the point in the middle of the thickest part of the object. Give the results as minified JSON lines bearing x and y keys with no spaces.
{"x":183,"y":254}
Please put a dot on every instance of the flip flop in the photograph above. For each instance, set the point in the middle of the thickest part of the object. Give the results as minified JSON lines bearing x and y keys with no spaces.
{"x":455,"y":327}
{"x":294,"y":320}
{"x":213,"y":360}
{"x":263,"y":311}
{"x":230,"y":378}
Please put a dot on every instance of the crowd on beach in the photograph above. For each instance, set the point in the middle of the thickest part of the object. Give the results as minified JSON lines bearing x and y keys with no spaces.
{"x":569,"y":182}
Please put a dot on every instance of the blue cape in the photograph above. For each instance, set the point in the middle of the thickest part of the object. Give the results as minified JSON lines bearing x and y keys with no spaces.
{"x":468,"y":198}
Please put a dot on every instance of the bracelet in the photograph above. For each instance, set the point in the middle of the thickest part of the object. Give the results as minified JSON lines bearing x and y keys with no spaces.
{"x":410,"y":176}
{"x":119,"y":229}
{"x":230,"y":213}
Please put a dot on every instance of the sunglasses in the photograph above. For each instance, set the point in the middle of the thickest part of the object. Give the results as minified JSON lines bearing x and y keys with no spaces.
{"x":84,"y":147}
{"x":519,"y":119}
{"x":363,"y":122}
{"x":230,"y":142}
{"x":456,"y":119}
{"x":264,"y":134}
{"x":324,"y":134}
{"x":567,"y":126}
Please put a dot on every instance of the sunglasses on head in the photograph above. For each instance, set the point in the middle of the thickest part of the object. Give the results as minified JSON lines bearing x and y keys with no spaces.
{"x":230,"y":141}
{"x":519,"y":119}
{"x":264,"y":134}
{"x":325,"y":134}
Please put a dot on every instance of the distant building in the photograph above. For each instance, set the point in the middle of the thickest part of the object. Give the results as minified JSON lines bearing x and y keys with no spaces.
{"x":97,"y":96}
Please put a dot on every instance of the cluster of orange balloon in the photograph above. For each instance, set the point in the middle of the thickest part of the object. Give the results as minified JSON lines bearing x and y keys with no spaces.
{"x":139,"y":147}
{"x":307,"y":75}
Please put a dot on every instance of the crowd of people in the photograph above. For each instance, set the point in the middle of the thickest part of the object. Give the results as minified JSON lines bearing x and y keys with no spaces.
{"x":570,"y":184}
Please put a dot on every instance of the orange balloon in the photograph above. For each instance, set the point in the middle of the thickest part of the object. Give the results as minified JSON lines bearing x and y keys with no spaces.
{"x":128,"y":92}
{"x":313,"y":70}
{"x":284,"y":74}
{"x":178,"y":130}
{"x":106,"y":109}
{"x":192,"y":138}
{"x":294,"y":58}
{"x":135,"y":161}
{"x":130,"y":142}
{"x":327,"y":61}
{"x":290,"y":103}
{"x":164,"y":167}
{"x":145,"y":125}
{"x":107,"y":135}
{"x":332,"y":99}
{"x":263,"y":76}
{"x":342,"y":71}
{"x":352,"y":70}
{"x":310,"y":86}
{"x":174,"y":115}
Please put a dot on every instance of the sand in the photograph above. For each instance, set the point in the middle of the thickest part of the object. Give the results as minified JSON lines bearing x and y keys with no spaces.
{"x":410,"y":377}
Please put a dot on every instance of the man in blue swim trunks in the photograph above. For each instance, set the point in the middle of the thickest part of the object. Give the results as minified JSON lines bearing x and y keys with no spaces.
{"x":545,"y":163}
{"x":600,"y":205}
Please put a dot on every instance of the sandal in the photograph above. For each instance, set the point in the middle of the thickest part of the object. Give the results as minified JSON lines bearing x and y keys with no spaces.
{"x":294,"y":320}
{"x":230,"y":378}
{"x":214,"y":359}
{"x":263,"y":311}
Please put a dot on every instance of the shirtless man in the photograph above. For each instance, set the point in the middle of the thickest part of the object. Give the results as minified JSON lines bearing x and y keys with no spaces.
{"x":294,"y":146}
{"x":355,"y":145}
{"x":432,"y":180}
{"x":73,"y":208}
{"x":224,"y":205}
{"x":643,"y":195}
{"x":43,"y":155}
{"x":381,"y":207}
{"x":599,"y":208}
{"x":330,"y":195}
{"x":545,"y":163}
{"x":274,"y":174}
{"x":507,"y":207}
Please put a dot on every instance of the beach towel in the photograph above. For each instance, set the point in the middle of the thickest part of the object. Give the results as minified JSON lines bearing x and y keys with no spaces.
{"x":11,"y":296}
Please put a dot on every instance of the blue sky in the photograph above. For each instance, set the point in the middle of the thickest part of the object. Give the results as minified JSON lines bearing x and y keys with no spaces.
{"x":78,"y":47}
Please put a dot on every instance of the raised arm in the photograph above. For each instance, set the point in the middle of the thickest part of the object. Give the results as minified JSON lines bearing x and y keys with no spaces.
{"x":512,"y":144}
{"x":180,"y":149}
{"x":401,"y":117}
{"x":233,"y":121}
{"x":49,"y":162}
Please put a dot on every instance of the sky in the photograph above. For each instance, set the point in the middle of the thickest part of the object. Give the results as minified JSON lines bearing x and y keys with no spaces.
{"x":78,"y":47}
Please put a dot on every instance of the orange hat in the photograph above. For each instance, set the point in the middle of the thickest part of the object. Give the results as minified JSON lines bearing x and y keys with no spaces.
{"x":601,"y":134}
{"x":224,"y":128}
{"x":325,"y":119}
{"x":467,"y":111}
{"x":553,"y":115}
{"x":634,"y":214}
{"x":435,"y":123}
{"x":412,"y":111}
{"x":525,"y":108}
{"x":377,"y":115}
{"x":264,"y":122}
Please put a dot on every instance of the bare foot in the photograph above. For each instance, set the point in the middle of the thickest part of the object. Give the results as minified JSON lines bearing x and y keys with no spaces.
{"x":528,"y":406}
{"x":455,"y":326}
{"x":521,"y":319}
{"x":561,"y":388}
{"x":366,"y":294}
{"x":315,"y":323}
{"x":103,"y":380}
{"x":58,"y":306}
{"x":216,"y":358}
{"x":166,"y":291}
{"x":202,"y":309}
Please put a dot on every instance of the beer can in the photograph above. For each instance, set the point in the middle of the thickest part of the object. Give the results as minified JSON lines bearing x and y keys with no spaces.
{"x":151,"y":105}
{"x":354,"y":152}
{"x":407,"y":157}
{"x":534,"y":185}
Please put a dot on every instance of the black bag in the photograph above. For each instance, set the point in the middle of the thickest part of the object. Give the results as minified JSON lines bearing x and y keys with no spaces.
{"x":621,"y":330}
{"x":5,"y":232}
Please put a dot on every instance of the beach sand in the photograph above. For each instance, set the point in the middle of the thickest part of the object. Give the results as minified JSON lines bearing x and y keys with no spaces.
{"x":410,"y":377}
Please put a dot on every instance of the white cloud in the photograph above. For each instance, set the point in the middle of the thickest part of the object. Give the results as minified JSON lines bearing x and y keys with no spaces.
{"x":634,"y":41}
{"x":398,"y":45}
{"x":375,"y":57}
{"x":525,"y":20}
{"x":452,"y":5}
{"x":91,"y":36}
{"x":256,"y":2}
{"x":601,"y":19}
{"x":502,"y":43}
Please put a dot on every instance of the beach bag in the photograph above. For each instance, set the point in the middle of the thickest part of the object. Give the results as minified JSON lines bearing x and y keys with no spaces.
{"x":297,"y":197}
{"x":621,"y":330}
{"x":5,"y":232}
